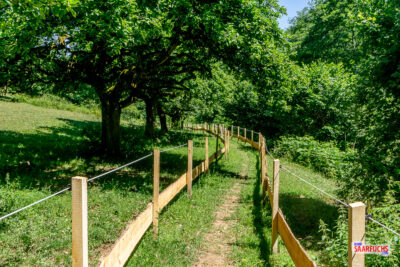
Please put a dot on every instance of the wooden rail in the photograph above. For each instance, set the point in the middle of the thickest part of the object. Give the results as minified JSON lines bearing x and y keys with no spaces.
{"x":134,"y":232}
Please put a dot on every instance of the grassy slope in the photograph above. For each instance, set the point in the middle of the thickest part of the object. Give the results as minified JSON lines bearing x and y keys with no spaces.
{"x":303,"y":206}
{"x":41,"y":149}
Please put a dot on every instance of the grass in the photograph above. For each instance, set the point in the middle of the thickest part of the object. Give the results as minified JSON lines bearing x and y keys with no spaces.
{"x":304,"y":207}
{"x":41,"y":149}
{"x":53,"y":102}
{"x":185,"y":221}
{"x":131,"y":115}
{"x":253,"y":229}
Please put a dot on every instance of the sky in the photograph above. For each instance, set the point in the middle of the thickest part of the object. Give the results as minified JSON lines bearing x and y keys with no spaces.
{"x":292,"y":6}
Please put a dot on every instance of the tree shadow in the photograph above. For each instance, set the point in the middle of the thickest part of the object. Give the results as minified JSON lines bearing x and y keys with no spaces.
{"x":303,"y":214}
{"x":52,"y":155}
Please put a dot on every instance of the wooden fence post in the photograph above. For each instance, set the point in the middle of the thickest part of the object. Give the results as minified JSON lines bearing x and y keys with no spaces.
{"x":79,"y":222}
{"x":226,"y":144}
{"x":232,"y":129}
{"x":238,"y":131}
{"x":275,"y":207}
{"x":156,"y":191}
{"x":264,"y":175}
{"x":207,"y":159}
{"x":229,"y":141}
{"x":245,"y":134}
{"x":356,"y":220}
{"x":190,"y":168}
{"x":252,"y":137}
{"x":216,"y":150}
{"x":259,"y":141}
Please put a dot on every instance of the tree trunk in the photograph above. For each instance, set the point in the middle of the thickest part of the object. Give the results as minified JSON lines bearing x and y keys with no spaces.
{"x":163,"y":119}
{"x":110,"y":135}
{"x":150,"y":119}
{"x":175,"y":121}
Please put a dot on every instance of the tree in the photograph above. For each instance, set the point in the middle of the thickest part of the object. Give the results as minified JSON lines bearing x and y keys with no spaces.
{"x":327,"y":30}
{"x":134,"y":49}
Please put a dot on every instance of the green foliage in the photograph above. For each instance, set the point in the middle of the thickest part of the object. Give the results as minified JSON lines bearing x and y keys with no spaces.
{"x":363,"y":36}
{"x":334,"y":240}
{"x":323,"y":157}
{"x":319,"y":102}
{"x":327,"y":30}
{"x":129,"y":50}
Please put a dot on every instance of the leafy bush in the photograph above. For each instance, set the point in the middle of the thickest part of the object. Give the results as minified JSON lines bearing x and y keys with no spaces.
{"x":323,"y":157}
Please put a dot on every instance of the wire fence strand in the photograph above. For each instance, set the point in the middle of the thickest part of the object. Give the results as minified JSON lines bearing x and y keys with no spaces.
{"x":69,"y":187}
{"x":35,"y":203}
{"x":119,"y":168}
{"x":319,"y":189}
{"x":369,"y":218}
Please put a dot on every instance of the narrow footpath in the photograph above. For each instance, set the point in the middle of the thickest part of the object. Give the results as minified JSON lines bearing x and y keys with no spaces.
{"x":218,"y":241}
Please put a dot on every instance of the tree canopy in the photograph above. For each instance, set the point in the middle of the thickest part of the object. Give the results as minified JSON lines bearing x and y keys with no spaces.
{"x":129,"y":50}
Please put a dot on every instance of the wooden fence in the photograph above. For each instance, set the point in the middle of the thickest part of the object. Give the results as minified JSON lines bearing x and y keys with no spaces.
{"x":279,"y":224}
{"x":356,"y":213}
{"x":131,"y":236}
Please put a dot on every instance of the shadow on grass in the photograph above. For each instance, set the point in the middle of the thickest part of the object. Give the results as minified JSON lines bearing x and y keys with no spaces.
{"x":304,"y":214}
{"x":260,"y":221}
{"x":49,"y":157}
{"x":261,"y":215}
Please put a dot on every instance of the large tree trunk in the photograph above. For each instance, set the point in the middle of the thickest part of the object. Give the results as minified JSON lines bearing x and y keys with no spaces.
{"x":163,"y":119}
{"x":110,"y":135}
{"x":150,"y":118}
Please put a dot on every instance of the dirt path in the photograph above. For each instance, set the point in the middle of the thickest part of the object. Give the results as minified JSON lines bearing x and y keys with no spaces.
{"x":217,"y":242}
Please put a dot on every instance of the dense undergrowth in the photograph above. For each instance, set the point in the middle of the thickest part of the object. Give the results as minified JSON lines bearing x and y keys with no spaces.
{"x":340,"y":166}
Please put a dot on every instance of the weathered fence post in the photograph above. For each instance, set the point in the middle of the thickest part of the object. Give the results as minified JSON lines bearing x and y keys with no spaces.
{"x":275,"y":207}
{"x":259,"y":141}
{"x":216,"y":150}
{"x":207,"y":159}
{"x":190,"y":168}
{"x":238,"y":131}
{"x":356,"y":220}
{"x":252,"y":137}
{"x":245,"y":134}
{"x":79,"y":222}
{"x":226,"y":143}
{"x":232,"y":129}
{"x":156,"y":190}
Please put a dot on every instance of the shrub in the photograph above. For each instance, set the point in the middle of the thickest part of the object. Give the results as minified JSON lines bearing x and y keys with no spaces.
{"x":323,"y":157}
